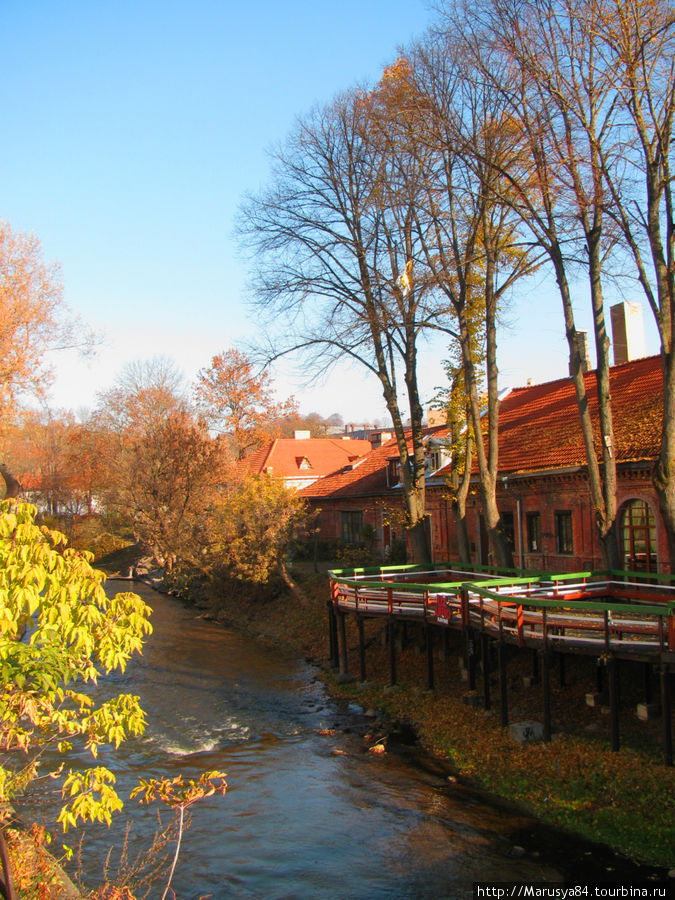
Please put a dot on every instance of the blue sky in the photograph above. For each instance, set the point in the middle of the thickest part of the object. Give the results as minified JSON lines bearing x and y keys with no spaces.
{"x":131,"y":130}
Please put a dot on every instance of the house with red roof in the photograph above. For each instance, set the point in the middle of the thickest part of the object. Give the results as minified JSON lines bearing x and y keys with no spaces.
{"x":365,"y":497}
{"x":543,"y":492}
{"x":299,"y":461}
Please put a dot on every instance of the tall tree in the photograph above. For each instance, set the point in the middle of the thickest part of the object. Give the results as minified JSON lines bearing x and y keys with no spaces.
{"x":33,"y":322}
{"x":454,"y":401}
{"x":164,"y":468}
{"x":590,"y":85}
{"x":164,"y":481}
{"x":335,"y":250}
{"x":637,"y":43}
{"x":239,"y":403}
{"x":470,"y":238}
{"x":557,"y":105}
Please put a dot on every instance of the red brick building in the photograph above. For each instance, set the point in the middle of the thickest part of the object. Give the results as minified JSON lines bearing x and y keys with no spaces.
{"x":543,"y":492}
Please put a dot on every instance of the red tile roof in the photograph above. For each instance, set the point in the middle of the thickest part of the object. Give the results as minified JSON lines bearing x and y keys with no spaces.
{"x":367,"y":476}
{"x":362,"y":478}
{"x":539,"y":429}
{"x":539,"y":426}
{"x":304,"y":458}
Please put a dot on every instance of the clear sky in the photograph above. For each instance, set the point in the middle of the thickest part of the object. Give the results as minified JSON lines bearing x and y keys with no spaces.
{"x":131,"y":130}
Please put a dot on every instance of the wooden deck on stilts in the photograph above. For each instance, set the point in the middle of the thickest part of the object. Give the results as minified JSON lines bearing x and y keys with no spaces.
{"x":611,"y":616}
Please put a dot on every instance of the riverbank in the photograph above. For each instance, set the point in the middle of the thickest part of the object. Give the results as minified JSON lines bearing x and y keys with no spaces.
{"x":625,"y":800}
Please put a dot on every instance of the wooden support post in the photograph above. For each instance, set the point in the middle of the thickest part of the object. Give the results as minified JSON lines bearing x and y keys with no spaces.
{"x":332,"y":636}
{"x":613,"y":679}
{"x":429,"y":635}
{"x":647,"y":681}
{"x":546,"y":688}
{"x":343,"y":663}
{"x":485,"y":653}
{"x":501,"y":652}
{"x":470,"y":656}
{"x":392,"y":652}
{"x":666,"y":714}
{"x":362,"y":648}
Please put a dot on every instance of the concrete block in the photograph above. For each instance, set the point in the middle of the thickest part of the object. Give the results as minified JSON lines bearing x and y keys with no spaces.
{"x":594,"y":700}
{"x":648,"y":711}
{"x":526,"y":731}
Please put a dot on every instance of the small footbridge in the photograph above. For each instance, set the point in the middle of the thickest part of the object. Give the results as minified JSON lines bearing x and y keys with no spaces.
{"x":610,"y":616}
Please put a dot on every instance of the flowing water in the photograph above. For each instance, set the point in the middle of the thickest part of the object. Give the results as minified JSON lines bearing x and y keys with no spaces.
{"x":306,"y":815}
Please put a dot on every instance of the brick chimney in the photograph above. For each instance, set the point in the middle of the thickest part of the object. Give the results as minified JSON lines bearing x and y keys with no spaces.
{"x":582,"y":346}
{"x":628,"y":332}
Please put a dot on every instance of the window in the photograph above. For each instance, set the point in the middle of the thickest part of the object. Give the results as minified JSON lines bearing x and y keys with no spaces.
{"x":563,"y":533}
{"x":508,"y":529}
{"x":638,"y":537}
{"x":351,"y":522}
{"x":533,"y":528}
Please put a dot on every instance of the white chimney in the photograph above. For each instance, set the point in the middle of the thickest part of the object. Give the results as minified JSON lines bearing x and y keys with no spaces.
{"x":301,"y":435}
{"x":628,"y":332}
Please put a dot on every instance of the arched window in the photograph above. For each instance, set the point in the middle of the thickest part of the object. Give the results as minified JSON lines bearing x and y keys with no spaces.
{"x":638,"y":537}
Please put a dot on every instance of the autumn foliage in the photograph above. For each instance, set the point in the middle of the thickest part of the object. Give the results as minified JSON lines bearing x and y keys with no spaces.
{"x":239,"y":403}
{"x":76,"y":633}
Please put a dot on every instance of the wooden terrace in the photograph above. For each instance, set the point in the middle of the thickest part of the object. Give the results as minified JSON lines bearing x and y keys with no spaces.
{"x":611,"y":616}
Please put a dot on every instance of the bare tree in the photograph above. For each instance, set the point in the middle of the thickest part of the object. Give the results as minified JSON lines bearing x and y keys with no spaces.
{"x":590,"y":85}
{"x":637,"y":43}
{"x":471,"y":239}
{"x":338,"y":261}
{"x":557,"y":107}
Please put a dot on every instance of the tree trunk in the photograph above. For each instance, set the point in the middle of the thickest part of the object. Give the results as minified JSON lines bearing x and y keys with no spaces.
{"x":418,"y":543}
{"x":664,"y":471}
{"x":12,"y":485}
{"x":487,"y":462}
{"x":460,"y":488}
{"x":463,"y":545}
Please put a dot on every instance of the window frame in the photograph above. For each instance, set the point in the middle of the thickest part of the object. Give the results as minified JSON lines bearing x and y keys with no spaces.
{"x":533,"y":531}
{"x":564,"y":532}
{"x":348,"y":533}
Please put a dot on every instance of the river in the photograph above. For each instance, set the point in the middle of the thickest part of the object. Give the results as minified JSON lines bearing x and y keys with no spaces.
{"x":307,"y":814}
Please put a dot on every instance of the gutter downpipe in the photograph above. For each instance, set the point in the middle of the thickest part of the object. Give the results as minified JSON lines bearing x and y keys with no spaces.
{"x":517,"y":498}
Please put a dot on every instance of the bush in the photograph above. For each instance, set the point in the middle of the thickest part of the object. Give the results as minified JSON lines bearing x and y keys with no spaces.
{"x":58,"y":628}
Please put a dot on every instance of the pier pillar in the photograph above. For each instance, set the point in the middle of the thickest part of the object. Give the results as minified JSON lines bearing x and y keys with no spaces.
{"x":429,"y":635}
{"x":666,"y":713}
{"x":485,"y":653}
{"x":332,"y":637}
{"x":647,"y":682}
{"x":501,"y":653}
{"x":392,"y":652}
{"x":613,"y":679}
{"x":362,"y":648}
{"x":545,"y":669}
{"x":470,"y":656}
{"x":343,"y":663}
